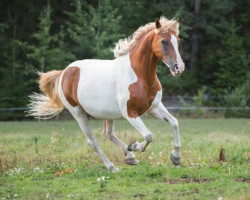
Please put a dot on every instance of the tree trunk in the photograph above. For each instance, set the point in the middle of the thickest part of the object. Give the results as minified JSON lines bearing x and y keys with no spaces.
{"x":195,"y":36}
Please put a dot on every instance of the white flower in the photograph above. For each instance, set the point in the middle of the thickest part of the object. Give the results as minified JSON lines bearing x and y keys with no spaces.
{"x":36,"y":169}
{"x":98,"y":179}
{"x":103,"y":178}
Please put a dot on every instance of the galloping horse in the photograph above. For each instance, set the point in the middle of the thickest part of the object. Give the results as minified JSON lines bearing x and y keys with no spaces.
{"x":126,"y":87}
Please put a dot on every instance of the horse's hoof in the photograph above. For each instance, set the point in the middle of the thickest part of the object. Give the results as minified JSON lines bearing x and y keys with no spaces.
{"x":132,"y":146}
{"x":175,"y":160}
{"x":113,"y":169}
{"x":131,"y":161}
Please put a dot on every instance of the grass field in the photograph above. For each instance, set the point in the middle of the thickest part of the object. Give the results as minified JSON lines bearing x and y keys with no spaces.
{"x":51,"y":160}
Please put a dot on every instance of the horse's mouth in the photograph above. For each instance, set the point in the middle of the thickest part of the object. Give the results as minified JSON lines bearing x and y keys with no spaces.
{"x":174,"y":73}
{"x":173,"y":69}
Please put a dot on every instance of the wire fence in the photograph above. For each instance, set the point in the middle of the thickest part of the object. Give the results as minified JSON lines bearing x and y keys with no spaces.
{"x":167,"y":107}
{"x":170,"y":102}
{"x":184,"y":105}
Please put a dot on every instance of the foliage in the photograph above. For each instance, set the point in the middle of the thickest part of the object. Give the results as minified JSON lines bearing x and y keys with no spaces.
{"x":234,"y":61}
{"x":48,"y":35}
{"x":47,"y":53}
{"x":89,"y":28}
{"x":239,"y":99}
{"x":52,"y":160}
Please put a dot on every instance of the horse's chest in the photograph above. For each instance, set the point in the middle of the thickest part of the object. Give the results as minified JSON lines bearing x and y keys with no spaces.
{"x":141,"y":98}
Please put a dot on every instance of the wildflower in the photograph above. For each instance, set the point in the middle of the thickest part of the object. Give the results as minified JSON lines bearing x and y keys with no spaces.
{"x":36,"y":169}
{"x":102,"y":178}
{"x":17,"y":170}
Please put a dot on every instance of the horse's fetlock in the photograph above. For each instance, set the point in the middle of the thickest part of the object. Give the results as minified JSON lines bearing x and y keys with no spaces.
{"x":149,"y":138}
{"x":178,"y":146}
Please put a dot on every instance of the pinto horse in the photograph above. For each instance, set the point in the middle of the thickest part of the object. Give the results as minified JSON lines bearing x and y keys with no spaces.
{"x":126,"y":87}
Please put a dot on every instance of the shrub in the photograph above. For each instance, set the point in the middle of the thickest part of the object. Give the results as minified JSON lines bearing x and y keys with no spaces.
{"x":238,"y":101}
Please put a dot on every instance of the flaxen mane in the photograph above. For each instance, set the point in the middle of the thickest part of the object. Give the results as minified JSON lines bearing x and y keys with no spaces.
{"x":125,"y":45}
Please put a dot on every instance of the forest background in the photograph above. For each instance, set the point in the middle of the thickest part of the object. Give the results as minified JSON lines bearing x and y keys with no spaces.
{"x":48,"y":35}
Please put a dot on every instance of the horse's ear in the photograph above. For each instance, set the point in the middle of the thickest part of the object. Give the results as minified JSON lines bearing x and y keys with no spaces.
{"x":157,"y":23}
{"x":177,"y":20}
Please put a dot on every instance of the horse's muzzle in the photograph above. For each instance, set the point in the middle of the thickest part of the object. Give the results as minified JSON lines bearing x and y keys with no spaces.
{"x":176,"y":69}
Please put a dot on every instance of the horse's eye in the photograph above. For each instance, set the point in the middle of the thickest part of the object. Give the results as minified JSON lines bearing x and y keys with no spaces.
{"x":164,"y":42}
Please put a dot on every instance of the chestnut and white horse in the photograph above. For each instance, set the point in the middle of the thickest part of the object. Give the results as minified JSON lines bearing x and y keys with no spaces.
{"x":126,"y":87}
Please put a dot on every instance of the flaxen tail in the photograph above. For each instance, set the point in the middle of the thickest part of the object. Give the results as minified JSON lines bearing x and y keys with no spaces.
{"x":48,"y":104}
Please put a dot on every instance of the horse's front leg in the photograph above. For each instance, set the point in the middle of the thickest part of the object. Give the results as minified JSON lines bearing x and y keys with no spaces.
{"x":140,"y":126}
{"x":162,"y":113}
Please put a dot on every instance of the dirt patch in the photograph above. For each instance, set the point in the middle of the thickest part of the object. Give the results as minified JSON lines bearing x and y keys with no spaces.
{"x":139,"y":195}
{"x":187,"y":180}
{"x":244,"y":180}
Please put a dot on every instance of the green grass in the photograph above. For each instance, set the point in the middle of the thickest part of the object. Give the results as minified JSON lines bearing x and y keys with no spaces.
{"x":51,"y":160}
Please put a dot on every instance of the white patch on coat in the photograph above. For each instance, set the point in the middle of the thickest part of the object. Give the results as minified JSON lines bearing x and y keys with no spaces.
{"x":178,"y":57}
{"x":103,"y":86}
{"x":157,"y":99}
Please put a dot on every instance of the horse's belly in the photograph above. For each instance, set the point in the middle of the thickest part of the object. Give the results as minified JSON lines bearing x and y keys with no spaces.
{"x":98,"y":98}
{"x":101,"y":108}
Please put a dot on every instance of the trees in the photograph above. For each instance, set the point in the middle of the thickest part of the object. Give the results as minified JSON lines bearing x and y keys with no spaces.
{"x":47,"y":51}
{"x":233,"y":64}
{"x":49,"y":35}
{"x":93,"y":29}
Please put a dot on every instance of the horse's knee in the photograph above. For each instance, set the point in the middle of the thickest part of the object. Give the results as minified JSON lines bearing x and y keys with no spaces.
{"x":174,"y":123}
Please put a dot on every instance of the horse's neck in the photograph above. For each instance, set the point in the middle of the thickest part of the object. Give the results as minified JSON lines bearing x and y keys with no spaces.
{"x":143,"y":60}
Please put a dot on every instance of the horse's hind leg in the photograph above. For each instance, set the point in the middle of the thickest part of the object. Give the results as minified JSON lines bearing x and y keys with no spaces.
{"x":110,"y":133}
{"x":161,"y":112}
{"x":81,"y":117}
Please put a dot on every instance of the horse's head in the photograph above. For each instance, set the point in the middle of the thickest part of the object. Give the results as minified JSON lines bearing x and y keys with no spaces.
{"x":165,"y":46}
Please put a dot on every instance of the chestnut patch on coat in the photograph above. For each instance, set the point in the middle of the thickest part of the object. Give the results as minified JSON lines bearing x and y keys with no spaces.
{"x":144,"y":63}
{"x":70,"y":81}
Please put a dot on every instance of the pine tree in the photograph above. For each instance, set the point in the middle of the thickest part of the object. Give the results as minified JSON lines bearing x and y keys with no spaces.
{"x":77,"y":30}
{"x":47,"y":52}
{"x":233,"y":64}
{"x":93,"y":29}
{"x":105,"y":30}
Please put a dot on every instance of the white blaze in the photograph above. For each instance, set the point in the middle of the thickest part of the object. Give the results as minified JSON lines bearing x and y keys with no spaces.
{"x":180,"y":63}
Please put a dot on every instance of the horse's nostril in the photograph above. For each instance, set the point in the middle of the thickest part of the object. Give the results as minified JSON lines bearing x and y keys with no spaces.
{"x":176,"y":67}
